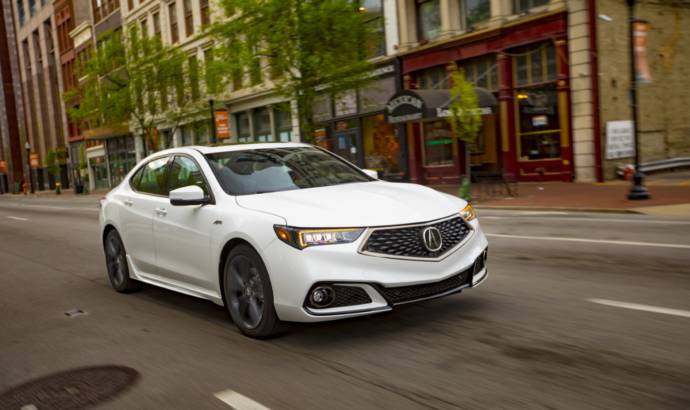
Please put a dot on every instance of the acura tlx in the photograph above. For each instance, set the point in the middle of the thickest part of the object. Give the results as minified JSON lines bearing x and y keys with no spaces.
{"x":286,"y":232}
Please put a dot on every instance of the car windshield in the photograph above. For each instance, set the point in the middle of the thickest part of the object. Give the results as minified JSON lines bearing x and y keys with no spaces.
{"x":264,"y":170}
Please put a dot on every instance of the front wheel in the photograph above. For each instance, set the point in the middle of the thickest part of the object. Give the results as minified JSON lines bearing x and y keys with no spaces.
{"x":248,"y":294}
{"x":116,"y":262}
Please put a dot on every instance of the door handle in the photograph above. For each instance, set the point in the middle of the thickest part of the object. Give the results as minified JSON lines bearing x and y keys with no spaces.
{"x":128,"y":202}
{"x":161,"y":211}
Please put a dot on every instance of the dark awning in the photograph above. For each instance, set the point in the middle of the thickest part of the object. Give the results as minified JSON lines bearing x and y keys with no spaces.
{"x":426,"y":104}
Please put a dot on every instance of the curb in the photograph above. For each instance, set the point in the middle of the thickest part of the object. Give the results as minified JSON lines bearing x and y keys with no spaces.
{"x":561,"y":209}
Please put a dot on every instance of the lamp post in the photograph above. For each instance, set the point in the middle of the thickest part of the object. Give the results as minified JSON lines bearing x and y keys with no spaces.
{"x":637,"y":190}
{"x":27,"y":146}
{"x":213,"y":121}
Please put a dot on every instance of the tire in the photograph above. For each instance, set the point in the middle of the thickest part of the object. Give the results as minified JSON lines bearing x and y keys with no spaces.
{"x":248,"y":294}
{"x":116,"y":264}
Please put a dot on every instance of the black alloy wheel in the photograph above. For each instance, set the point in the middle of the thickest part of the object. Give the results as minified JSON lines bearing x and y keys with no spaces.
{"x":248,"y":294}
{"x":116,"y":263}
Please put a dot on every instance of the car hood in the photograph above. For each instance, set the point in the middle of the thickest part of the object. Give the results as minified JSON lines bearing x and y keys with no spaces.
{"x":360,"y":204}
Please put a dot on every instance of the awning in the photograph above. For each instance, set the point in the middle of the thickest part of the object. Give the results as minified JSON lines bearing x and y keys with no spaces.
{"x":420,"y":105}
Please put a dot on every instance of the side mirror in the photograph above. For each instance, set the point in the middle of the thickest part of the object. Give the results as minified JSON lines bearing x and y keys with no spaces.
{"x":372,"y":173}
{"x":188,"y":195}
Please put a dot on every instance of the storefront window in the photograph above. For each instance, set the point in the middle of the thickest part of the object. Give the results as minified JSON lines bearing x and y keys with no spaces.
{"x":202,"y":132}
{"x":481,"y":71}
{"x":539,"y":123}
{"x":375,"y":96}
{"x":523,"y":6}
{"x":535,"y":65}
{"x":434,"y":77}
{"x":186,"y":135}
{"x":283,"y":121}
{"x":381,"y":147}
{"x":346,"y":103}
{"x":121,"y":157}
{"x":322,"y":107}
{"x":428,"y":19}
{"x":262,"y":125}
{"x":476,"y":11}
{"x":438,"y":144}
{"x":243,"y":130}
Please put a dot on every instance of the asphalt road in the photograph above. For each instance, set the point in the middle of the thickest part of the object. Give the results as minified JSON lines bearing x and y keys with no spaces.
{"x":602,"y":322}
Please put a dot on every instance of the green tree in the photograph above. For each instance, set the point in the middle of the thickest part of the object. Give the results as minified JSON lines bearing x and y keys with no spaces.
{"x":465,"y":120}
{"x":135,"y":82}
{"x":304,"y":47}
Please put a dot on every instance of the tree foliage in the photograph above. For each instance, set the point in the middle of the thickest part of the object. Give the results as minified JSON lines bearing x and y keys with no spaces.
{"x":465,"y":118}
{"x":303,"y":46}
{"x":135,"y":82}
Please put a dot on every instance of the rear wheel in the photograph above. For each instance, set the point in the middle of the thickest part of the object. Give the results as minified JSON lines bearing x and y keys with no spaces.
{"x":116,"y":263}
{"x":248,"y":294}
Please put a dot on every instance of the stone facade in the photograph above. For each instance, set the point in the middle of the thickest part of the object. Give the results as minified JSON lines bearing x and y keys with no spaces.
{"x":665,"y":103}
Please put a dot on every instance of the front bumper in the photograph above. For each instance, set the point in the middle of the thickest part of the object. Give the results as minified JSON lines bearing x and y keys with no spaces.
{"x":387,"y":281}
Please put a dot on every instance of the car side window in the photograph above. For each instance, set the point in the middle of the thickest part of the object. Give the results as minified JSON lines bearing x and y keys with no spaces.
{"x":184,"y":171}
{"x":136,"y":178}
{"x":154,"y":177}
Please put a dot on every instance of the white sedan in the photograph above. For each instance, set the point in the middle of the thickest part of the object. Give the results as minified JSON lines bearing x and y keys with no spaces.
{"x":286,"y":232}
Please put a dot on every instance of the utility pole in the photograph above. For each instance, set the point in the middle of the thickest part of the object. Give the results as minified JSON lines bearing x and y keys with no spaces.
{"x":27,"y":146}
{"x":637,"y":191}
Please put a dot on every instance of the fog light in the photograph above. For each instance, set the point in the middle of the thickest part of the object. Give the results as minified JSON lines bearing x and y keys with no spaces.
{"x":322,"y":296}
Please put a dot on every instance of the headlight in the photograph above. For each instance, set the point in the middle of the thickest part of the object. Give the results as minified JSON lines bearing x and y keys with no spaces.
{"x":302,"y":238}
{"x":468,"y":213}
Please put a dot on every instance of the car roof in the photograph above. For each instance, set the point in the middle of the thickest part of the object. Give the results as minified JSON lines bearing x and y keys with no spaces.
{"x":246,"y":146}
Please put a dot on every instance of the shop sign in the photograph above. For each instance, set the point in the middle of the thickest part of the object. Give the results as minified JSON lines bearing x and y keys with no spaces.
{"x":3,"y":167}
{"x":619,"y":139}
{"x":445,"y":112}
{"x":641,"y":30}
{"x":34,"y":161}
{"x":222,"y":120}
{"x":403,"y":107}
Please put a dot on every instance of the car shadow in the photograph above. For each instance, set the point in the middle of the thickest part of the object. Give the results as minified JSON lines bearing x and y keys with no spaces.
{"x":426,"y":316}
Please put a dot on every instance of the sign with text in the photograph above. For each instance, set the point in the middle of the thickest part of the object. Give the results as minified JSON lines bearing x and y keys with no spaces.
{"x":34,"y":161}
{"x":619,"y":140}
{"x":222,"y":119}
{"x":405,"y":106}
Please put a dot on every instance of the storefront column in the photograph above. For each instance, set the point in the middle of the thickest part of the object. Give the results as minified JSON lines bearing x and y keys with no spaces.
{"x":413,"y":162}
{"x":177,"y":137}
{"x":564,"y":107}
{"x":506,"y":115}
{"x":272,"y":122}
{"x":457,"y":146}
{"x":294,"y":115}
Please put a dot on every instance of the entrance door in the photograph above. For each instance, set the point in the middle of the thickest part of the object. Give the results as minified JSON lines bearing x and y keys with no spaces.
{"x":345,"y":144}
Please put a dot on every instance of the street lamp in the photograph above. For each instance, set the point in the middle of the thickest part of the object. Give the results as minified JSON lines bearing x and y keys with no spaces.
{"x":637,"y":190}
{"x":27,"y":146}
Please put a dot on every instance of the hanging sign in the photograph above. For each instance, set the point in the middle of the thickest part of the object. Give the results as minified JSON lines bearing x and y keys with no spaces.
{"x":34,"y":161}
{"x":619,"y":140}
{"x":405,"y":106}
{"x":3,"y":167}
{"x":641,"y":30}
{"x":222,"y":119}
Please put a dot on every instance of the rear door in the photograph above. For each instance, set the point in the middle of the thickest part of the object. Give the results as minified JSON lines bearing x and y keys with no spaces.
{"x":183,"y":233}
{"x":146,"y":193}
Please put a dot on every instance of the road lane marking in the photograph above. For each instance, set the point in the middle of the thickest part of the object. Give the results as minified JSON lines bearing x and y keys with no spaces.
{"x":238,"y":401}
{"x":644,"y":308}
{"x":602,"y":241}
{"x":578,"y":219}
{"x":52,"y":207}
{"x":16,"y":218}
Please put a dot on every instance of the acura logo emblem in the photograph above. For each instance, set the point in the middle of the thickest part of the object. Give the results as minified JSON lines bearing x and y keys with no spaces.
{"x":431,"y":237}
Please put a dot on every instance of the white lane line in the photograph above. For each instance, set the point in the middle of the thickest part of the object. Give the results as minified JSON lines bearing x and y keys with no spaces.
{"x":238,"y":401}
{"x":602,"y":241}
{"x":16,"y":218}
{"x":578,"y":219}
{"x":51,"y":207}
{"x":644,"y":308}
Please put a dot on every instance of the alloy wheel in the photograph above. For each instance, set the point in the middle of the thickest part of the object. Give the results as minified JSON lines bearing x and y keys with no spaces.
{"x":116,"y":261}
{"x":245,"y":291}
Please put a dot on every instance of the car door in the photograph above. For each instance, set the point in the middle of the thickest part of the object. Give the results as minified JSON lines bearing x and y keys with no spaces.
{"x":146,"y":192}
{"x":183,"y":233}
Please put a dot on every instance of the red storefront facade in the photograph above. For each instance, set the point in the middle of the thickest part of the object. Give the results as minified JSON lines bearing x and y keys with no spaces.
{"x":528,"y":136}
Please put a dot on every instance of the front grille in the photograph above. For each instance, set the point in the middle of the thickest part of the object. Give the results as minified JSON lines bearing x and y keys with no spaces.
{"x":407,"y":241}
{"x":404,"y":294}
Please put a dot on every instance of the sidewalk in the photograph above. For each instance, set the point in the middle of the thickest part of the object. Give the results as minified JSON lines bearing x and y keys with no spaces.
{"x":667,"y":200}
